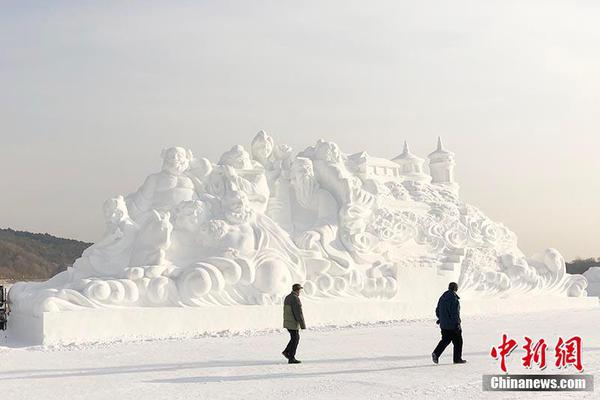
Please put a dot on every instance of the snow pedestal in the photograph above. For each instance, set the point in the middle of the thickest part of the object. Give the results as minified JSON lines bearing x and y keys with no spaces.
{"x":93,"y":325}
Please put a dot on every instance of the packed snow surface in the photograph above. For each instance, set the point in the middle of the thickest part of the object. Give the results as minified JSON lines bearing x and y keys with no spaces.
{"x":378,"y":361}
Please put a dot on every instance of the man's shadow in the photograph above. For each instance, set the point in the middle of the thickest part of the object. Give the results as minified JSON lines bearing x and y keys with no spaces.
{"x":142,"y":368}
{"x":283,"y":375}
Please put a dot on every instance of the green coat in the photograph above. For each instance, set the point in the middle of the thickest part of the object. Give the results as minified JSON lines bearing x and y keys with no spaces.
{"x":293,"y":318}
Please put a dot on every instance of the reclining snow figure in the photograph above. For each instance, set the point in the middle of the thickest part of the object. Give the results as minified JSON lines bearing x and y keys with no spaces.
{"x":241,"y":231}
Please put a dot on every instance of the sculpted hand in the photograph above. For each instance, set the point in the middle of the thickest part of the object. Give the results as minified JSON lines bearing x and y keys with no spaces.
{"x":308,"y":240}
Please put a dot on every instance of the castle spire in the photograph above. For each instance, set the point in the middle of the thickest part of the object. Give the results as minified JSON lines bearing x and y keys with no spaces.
{"x":441,"y":167}
{"x":406,"y":149}
{"x":440,"y":152}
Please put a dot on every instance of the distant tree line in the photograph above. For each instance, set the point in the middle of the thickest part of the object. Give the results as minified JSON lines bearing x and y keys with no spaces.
{"x":579,"y":266}
{"x":34,"y":256}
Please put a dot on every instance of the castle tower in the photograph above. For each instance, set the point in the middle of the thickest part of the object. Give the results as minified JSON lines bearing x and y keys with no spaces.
{"x":441,"y":167}
{"x":411,"y":166}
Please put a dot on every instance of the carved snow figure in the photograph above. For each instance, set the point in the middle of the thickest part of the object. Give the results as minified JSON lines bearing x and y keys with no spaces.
{"x":190,"y":234}
{"x":167,"y":188}
{"x":354,"y":203}
{"x":243,"y":230}
{"x":276,"y":163}
{"x":246,"y":175}
{"x":275,"y":159}
{"x":153,"y":240}
{"x":315,"y":219}
{"x":108,"y":256}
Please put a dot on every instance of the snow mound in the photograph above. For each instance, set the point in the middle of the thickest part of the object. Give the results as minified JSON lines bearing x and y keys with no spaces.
{"x":593,"y":277}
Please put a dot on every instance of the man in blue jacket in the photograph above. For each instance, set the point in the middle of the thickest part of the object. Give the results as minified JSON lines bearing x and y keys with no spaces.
{"x":448,"y":314}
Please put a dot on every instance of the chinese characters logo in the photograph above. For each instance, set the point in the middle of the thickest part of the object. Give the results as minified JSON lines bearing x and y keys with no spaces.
{"x":566,"y":352}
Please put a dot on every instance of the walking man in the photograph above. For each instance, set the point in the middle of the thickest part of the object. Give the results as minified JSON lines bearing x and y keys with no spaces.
{"x":293,"y":320}
{"x":448,"y":314}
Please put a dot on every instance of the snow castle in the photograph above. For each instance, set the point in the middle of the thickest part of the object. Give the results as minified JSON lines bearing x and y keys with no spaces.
{"x":204,"y":246}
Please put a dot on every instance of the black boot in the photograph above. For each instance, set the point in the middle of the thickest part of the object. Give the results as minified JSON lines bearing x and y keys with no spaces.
{"x":294,"y":361}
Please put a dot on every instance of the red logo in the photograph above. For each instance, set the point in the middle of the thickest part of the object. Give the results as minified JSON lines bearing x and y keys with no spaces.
{"x":535,"y":353}
{"x":504,"y":351}
{"x":569,"y":353}
{"x":566,"y":352}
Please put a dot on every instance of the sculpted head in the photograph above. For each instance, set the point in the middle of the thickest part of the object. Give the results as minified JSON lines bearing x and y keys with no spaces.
{"x":262,"y":146}
{"x":237,"y":157}
{"x":301,"y":168}
{"x":176,"y":160}
{"x":115,"y":210}
{"x":303,"y":180}
{"x":216,"y":183}
{"x":236,"y":207}
{"x":190,"y":215}
{"x":328,"y":151}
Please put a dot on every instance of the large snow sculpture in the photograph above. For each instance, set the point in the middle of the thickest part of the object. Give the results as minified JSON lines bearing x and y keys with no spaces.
{"x":241,"y":231}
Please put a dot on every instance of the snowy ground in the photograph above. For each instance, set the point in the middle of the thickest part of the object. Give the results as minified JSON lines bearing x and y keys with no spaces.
{"x":381,"y":361}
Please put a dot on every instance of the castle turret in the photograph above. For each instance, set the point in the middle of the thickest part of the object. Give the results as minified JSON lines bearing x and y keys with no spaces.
{"x":441,"y":167}
{"x":411,"y":166}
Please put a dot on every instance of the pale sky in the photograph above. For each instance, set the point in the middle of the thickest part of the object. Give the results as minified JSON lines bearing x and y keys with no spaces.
{"x":90,"y":92}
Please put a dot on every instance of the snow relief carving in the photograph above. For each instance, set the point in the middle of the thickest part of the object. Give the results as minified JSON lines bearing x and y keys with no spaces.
{"x":242,"y":230}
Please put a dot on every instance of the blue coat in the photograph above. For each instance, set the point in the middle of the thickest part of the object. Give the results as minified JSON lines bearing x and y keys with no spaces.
{"x":448,"y":310}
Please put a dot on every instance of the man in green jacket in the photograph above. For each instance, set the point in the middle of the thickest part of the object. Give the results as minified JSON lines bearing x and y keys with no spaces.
{"x":293,"y":320}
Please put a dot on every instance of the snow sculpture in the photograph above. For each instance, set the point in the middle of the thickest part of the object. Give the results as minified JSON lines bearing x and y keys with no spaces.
{"x":441,"y":166}
{"x":593,"y":277}
{"x":241,"y":231}
{"x":412,"y":166}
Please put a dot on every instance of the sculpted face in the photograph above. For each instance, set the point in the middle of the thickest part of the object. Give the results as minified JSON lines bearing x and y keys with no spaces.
{"x":115,"y":210}
{"x":301,"y":168}
{"x":328,"y":151}
{"x":176,"y":160}
{"x":237,"y":158}
{"x":237,"y":208}
{"x":262,"y":146}
{"x":303,"y":180}
{"x":191,"y":215}
{"x":217,"y":182}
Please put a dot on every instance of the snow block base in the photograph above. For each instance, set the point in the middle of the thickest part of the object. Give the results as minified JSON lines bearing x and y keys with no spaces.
{"x":104,"y":325}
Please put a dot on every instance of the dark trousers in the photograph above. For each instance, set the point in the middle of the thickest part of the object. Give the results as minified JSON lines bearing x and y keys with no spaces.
{"x":454,"y":336}
{"x":292,"y":345}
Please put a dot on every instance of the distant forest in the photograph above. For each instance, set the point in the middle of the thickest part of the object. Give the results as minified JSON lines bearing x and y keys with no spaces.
{"x":579,"y":266}
{"x":39,"y":256}
{"x":34,"y":256}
